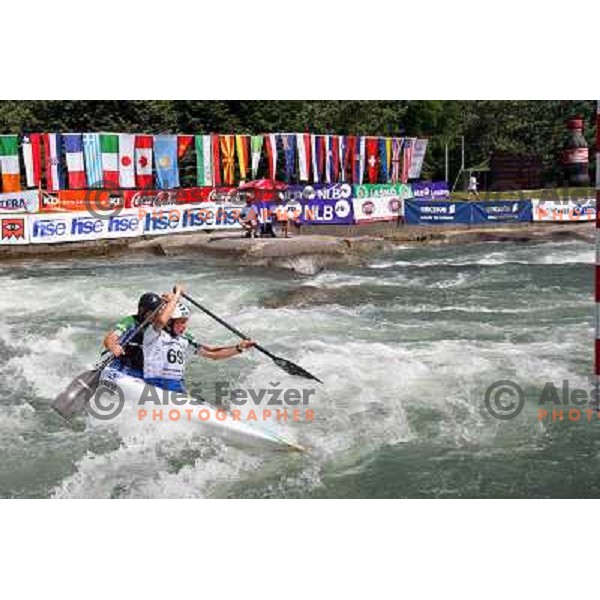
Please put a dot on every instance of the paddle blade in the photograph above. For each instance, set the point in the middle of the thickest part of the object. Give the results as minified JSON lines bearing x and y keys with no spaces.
{"x":72,"y":400}
{"x":293,"y":369}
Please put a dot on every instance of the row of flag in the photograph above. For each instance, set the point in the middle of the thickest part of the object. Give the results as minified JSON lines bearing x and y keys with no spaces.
{"x":111,"y":160}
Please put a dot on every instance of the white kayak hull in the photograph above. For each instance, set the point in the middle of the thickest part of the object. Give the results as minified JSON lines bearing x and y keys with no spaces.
{"x":210,"y":420}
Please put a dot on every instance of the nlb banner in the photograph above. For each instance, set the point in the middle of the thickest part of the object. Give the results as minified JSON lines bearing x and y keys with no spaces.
{"x":374,"y":202}
{"x":180,"y":219}
{"x":20,"y":202}
{"x":433,"y":190}
{"x":431,"y":212}
{"x":82,"y":226}
{"x":580,"y":210}
{"x":501,"y":211}
{"x":13,"y":230}
{"x":96,"y":201}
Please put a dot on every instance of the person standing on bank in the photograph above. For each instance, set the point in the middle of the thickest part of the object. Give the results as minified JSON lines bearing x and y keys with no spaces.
{"x":473,"y":187}
{"x":168,"y":346}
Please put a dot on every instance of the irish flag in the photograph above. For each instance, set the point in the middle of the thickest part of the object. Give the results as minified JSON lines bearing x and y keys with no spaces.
{"x":109,"y":148}
{"x":9,"y":163}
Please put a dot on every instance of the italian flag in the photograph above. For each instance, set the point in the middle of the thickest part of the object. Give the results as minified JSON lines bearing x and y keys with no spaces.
{"x":109,"y":148}
{"x":9,"y":163}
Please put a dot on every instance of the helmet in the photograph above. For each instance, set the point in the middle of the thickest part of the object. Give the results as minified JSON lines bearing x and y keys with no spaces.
{"x":181,"y":312}
{"x":149,"y":302}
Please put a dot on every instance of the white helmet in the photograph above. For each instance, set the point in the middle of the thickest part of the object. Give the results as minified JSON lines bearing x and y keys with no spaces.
{"x":181,"y":312}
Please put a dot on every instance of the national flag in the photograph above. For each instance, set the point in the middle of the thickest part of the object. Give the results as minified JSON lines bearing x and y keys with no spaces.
{"x":327,"y":157}
{"x":228,"y":152}
{"x":335,"y":159}
{"x":303,"y":141}
{"x":271,"y":151}
{"x":350,"y":158}
{"x":54,"y":174}
{"x":216,"y":159}
{"x":93,"y":159}
{"x":109,"y":149}
{"x":241,"y":146}
{"x":407,"y":153}
{"x":320,"y":149}
{"x":372,"y":161}
{"x":313,"y":151}
{"x":256,"y":143}
{"x":73,"y":146}
{"x":388,"y":158}
{"x":184,"y":143}
{"x":342,"y":157}
{"x":126,"y":160}
{"x":204,"y":160}
{"x":167,"y":169}
{"x":32,"y":157}
{"x":289,"y":152}
{"x":143,"y":162}
{"x":396,"y":150}
{"x":9,"y":163}
{"x":418,"y":156}
{"x":359,"y":161}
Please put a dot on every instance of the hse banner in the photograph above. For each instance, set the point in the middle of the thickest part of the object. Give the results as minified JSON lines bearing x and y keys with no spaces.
{"x":432,"y":212}
{"x":13,"y":229}
{"x":374,"y":202}
{"x":501,"y":211}
{"x":158,"y":198}
{"x":82,"y":226}
{"x":579,"y":210}
{"x":433,"y":190}
{"x":19,"y":202}
{"x":91,"y":201}
{"x":180,"y":219}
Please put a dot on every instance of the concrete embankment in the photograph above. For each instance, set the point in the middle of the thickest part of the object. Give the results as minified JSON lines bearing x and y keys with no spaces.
{"x":308,"y":251}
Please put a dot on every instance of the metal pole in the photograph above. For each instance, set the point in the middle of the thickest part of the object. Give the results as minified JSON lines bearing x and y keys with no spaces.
{"x":446,"y":162}
{"x":597,"y":269}
{"x":462,"y":154}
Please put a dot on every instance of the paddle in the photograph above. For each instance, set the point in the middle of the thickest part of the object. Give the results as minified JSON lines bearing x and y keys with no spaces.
{"x":287,"y":365}
{"x":74,"y":398}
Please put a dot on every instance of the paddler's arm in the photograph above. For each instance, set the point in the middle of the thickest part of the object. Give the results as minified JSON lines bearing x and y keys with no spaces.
{"x":221,"y":352}
{"x":163,"y":317}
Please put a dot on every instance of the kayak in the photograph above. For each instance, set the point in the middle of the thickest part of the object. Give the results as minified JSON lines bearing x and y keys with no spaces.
{"x":211,"y":420}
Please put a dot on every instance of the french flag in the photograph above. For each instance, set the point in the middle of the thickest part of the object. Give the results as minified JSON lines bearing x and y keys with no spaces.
{"x":73,"y":144}
{"x":54,"y":175}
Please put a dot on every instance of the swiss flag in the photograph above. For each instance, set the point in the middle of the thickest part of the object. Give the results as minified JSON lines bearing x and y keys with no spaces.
{"x":372,"y":162}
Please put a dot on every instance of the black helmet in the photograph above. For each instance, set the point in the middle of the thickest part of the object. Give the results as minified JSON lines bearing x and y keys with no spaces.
{"x":148,"y":302}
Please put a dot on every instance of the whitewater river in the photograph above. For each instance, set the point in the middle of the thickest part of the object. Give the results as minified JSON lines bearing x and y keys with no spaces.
{"x":406,"y":345}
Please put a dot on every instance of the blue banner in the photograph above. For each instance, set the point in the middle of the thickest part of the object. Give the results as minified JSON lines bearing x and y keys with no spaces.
{"x":502,"y":211}
{"x":431,"y":212}
{"x":433,"y":190}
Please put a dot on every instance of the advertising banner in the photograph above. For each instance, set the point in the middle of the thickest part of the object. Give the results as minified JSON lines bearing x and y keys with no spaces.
{"x":418,"y":156}
{"x":197,"y":195}
{"x":502,"y":211}
{"x":579,"y":210}
{"x":97,"y":201}
{"x":374,"y":202}
{"x":19,"y":202}
{"x":432,"y":190}
{"x":431,"y":212}
{"x":184,"y":218}
{"x":13,"y":229}
{"x":82,"y":226}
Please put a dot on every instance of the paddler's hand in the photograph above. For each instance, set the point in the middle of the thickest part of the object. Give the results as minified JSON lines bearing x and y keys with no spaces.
{"x":246,"y":344}
{"x":112,"y":344}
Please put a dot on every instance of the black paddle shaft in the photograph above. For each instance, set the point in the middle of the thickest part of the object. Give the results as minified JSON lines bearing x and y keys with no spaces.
{"x":285,"y":364}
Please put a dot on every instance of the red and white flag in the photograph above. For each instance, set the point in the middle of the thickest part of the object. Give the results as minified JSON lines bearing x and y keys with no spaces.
{"x":303,"y":143}
{"x":407,"y":154}
{"x":32,"y":157}
{"x":52,"y":142}
{"x":126,"y":160}
{"x":143,"y":161}
{"x":271,"y":150}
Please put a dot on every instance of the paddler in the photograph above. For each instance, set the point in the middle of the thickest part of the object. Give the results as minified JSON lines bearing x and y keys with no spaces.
{"x":130,"y":360}
{"x":168,"y":345}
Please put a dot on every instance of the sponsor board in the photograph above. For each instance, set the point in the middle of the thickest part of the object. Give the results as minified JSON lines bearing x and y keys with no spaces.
{"x":433,"y":190}
{"x":374,"y":202}
{"x":184,"y":218}
{"x":501,"y":211}
{"x":81,"y":227}
{"x":431,"y":212}
{"x":20,"y":202}
{"x":81,"y":200}
{"x":197,"y":195}
{"x":579,"y":210}
{"x":13,"y":230}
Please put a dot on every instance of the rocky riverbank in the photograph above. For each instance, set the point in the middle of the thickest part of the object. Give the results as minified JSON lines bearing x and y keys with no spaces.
{"x":304,"y":252}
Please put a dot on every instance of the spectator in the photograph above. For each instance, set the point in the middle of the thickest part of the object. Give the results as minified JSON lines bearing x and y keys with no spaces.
{"x":473,"y":187}
{"x":249,"y":218}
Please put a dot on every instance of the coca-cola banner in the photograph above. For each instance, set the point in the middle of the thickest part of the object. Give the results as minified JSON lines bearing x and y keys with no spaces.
{"x":158,"y":198}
